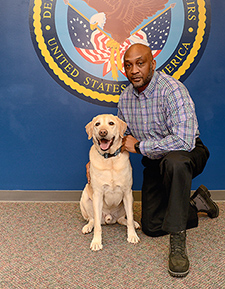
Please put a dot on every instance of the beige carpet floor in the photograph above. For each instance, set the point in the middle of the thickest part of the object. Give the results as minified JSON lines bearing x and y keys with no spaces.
{"x":41,"y":246}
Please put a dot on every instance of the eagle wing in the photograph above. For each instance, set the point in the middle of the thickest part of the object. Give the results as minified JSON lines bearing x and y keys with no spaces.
{"x":139,"y":10}
{"x":123,"y":16}
{"x":103,"y":5}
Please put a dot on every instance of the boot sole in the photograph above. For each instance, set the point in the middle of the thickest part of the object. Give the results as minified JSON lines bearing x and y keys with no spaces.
{"x":178,"y":274}
{"x":212,"y":216}
{"x":206,"y":191}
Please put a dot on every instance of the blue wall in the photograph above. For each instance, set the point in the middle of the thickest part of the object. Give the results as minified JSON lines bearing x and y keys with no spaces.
{"x":43,"y":143}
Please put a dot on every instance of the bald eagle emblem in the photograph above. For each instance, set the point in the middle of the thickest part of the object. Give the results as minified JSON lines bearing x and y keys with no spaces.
{"x":104,"y":37}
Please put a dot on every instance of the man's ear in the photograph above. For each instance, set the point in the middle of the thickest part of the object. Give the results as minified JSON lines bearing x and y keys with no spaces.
{"x":153,"y":64}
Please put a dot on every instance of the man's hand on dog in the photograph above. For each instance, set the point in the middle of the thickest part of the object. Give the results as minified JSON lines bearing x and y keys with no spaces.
{"x":128,"y":144}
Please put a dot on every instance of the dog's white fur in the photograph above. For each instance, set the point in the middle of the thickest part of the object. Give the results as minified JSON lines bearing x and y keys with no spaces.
{"x":108,"y":198}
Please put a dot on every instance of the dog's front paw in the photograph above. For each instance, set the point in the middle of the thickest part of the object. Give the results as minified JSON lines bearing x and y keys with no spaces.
{"x":95,"y":245}
{"x":133,"y":238}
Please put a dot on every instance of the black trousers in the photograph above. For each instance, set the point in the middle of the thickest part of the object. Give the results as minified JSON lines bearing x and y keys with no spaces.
{"x":166,"y":191}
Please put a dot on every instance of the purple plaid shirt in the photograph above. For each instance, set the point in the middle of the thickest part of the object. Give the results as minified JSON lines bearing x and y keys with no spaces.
{"x":162,"y":117}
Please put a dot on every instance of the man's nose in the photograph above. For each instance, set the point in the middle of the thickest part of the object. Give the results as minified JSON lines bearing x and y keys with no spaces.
{"x":134,"y":69}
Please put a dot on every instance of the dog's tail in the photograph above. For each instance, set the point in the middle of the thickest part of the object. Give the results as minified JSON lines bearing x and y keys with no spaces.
{"x":108,"y":219}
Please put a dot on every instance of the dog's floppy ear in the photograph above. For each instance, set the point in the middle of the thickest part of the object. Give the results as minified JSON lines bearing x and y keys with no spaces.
{"x":89,"y":129}
{"x":122,"y":126}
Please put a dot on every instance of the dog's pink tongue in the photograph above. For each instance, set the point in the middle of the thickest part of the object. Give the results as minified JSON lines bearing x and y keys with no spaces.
{"x":104,"y":144}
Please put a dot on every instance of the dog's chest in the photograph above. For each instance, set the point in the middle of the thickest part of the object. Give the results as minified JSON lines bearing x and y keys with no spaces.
{"x":112,"y":195}
{"x":111,"y":178}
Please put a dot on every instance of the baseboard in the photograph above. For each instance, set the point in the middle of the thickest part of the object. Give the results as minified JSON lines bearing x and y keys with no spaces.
{"x":68,"y":196}
{"x":40,"y":195}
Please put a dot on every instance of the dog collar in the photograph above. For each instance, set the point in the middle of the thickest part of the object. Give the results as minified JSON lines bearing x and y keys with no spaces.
{"x":108,"y":155}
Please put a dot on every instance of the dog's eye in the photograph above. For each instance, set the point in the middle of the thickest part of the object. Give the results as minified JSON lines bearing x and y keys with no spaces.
{"x":97,"y":124}
{"x":111,"y":123}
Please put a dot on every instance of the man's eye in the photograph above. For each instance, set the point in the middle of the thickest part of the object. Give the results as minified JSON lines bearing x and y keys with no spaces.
{"x":127,"y":66}
{"x":140,"y":63}
{"x":97,"y":124}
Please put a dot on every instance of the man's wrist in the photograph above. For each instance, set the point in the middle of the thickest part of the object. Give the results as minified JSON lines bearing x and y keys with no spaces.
{"x":137,"y":148}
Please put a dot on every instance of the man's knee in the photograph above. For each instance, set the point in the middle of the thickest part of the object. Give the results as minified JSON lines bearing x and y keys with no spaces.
{"x":176,"y":162}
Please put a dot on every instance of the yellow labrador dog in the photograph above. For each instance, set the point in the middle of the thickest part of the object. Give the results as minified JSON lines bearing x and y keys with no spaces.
{"x":108,"y":198}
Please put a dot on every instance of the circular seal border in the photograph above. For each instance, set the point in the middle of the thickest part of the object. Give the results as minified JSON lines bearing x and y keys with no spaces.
{"x":202,"y":30}
{"x":109,"y":99}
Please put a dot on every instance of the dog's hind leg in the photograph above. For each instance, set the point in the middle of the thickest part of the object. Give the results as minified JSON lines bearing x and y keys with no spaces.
{"x":86,"y":208}
{"x":88,"y":217}
{"x":136,"y":225}
{"x":123,"y":221}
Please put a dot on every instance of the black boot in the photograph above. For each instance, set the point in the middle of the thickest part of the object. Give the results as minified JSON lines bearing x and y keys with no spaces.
{"x":178,"y":259}
{"x":202,"y":201}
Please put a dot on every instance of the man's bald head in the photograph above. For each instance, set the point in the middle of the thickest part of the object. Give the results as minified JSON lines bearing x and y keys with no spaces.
{"x":139,"y":65}
{"x":138,"y":48}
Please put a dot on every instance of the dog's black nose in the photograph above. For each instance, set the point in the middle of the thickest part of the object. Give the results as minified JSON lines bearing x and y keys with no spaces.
{"x":103,"y":132}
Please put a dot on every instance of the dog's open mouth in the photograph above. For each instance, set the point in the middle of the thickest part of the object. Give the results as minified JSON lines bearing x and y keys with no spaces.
{"x":105,"y":144}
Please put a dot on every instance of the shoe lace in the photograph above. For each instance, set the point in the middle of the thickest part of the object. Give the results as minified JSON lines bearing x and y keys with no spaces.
{"x":177,"y":243}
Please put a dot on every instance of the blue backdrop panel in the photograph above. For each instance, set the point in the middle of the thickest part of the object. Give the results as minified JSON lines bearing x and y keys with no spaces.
{"x":43,"y":143}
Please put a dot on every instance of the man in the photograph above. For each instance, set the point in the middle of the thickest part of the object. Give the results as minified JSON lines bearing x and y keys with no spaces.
{"x":163,"y":127}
